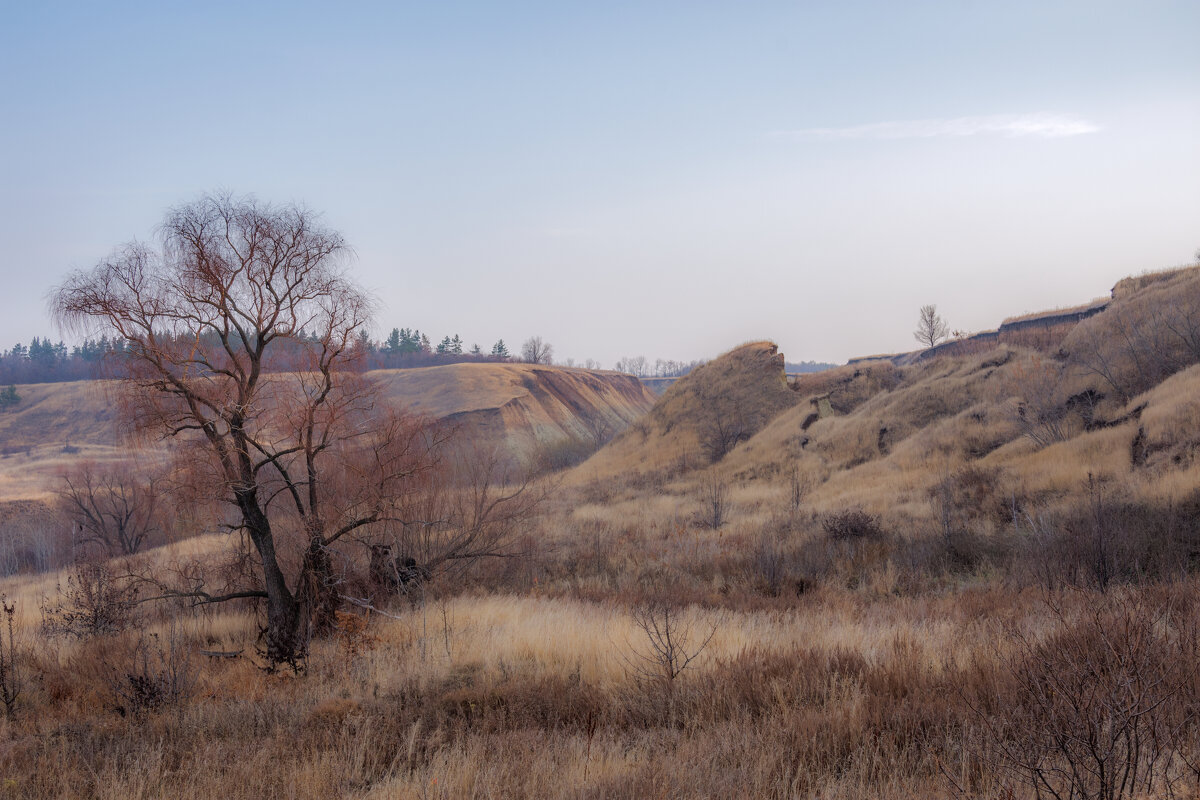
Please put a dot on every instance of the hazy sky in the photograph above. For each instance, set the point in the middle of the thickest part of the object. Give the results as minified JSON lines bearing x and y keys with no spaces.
{"x":663,"y":179}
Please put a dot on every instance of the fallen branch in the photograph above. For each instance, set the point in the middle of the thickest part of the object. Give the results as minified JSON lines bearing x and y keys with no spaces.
{"x":364,"y":603}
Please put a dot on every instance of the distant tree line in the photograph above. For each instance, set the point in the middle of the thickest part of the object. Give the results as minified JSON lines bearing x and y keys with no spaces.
{"x":642,"y":368}
{"x":43,"y":361}
{"x":409,"y":347}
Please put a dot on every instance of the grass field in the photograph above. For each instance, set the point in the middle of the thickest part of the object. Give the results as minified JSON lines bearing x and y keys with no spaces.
{"x":975,"y":576}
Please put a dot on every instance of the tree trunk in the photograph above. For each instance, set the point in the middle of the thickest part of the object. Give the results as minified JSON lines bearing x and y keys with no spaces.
{"x":287,"y":631}
{"x":317,"y":593}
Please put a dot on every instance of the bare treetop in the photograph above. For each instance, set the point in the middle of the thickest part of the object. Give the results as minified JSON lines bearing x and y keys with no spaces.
{"x":931,"y":328}
{"x":233,"y":268}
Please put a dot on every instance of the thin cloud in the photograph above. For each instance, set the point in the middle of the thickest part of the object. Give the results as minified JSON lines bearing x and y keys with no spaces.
{"x":1037,"y":126}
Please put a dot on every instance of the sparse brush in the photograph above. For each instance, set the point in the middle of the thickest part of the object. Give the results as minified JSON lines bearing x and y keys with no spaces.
{"x":851,"y":524}
{"x":94,"y":602}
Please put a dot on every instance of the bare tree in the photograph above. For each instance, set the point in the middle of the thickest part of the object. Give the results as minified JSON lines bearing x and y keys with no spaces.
{"x":1037,"y":406}
{"x":671,"y":645}
{"x":536,"y":351}
{"x":470,"y":508}
{"x":931,"y":328}
{"x":722,"y":423}
{"x":634,"y":365}
{"x":240,"y":290}
{"x":110,"y":506}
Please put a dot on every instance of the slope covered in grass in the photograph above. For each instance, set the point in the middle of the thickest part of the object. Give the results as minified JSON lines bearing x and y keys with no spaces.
{"x":702,"y":416}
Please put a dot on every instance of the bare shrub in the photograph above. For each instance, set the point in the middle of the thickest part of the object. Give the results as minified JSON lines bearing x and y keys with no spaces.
{"x":155,"y":674}
{"x":715,"y":501}
{"x":671,"y":644}
{"x":1097,"y":708}
{"x":851,"y":524}
{"x":93,"y":603}
{"x":963,"y":504}
{"x":1143,"y":336}
{"x":1039,"y":410}
{"x":799,"y":487}
{"x":10,"y":670}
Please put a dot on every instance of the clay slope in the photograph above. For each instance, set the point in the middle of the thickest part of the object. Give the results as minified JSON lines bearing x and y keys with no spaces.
{"x":528,"y":410}
{"x":531,"y":411}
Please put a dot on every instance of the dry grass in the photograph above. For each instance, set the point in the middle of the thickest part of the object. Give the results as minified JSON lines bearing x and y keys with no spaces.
{"x":729,"y":399}
{"x":904,"y":658}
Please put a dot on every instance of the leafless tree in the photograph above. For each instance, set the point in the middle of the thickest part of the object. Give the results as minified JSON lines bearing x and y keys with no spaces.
{"x":241,"y":333}
{"x":110,"y":506}
{"x":672,"y":644}
{"x":1037,"y":403}
{"x":722,"y":422}
{"x":634,"y":365}
{"x":931,"y":328}
{"x":536,"y":351}
{"x":470,"y":508}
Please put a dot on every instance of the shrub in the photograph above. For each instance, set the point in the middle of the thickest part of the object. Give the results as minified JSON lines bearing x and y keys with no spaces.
{"x":1098,"y":709}
{"x":155,"y":674}
{"x":94,"y":602}
{"x":853,"y":523}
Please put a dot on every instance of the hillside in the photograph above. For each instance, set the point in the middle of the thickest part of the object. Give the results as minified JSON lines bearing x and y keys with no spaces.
{"x":526,"y":409}
{"x":983,"y":445}
{"x":702,"y":416}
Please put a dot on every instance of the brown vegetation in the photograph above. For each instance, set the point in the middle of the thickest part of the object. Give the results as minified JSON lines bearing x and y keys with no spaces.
{"x":924,"y":591}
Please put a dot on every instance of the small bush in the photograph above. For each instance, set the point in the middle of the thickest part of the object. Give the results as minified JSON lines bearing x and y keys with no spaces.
{"x":93,"y":603}
{"x":851,"y":524}
{"x":154,"y":675}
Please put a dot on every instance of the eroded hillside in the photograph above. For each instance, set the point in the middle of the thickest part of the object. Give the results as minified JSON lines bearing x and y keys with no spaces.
{"x":535,"y":412}
{"x":702,"y":416}
{"x":527,"y":410}
{"x":989,"y":452}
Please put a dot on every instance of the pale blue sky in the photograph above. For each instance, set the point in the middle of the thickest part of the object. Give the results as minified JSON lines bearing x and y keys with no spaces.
{"x":666,"y":179}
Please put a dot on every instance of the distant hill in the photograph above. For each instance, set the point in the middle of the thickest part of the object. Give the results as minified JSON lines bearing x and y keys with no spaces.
{"x":555,"y":414}
{"x":530,"y":410}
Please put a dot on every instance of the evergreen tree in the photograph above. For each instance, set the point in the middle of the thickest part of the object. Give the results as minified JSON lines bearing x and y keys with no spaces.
{"x":363,"y":343}
{"x":9,"y":398}
{"x":444,"y":346}
{"x":476,"y":350}
{"x":393,"y":344}
{"x":456,"y":345}
{"x":499,"y":349}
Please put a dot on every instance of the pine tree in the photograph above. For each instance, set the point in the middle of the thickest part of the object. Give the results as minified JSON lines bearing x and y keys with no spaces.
{"x":392,"y":345}
{"x":456,"y":345}
{"x":9,"y":398}
{"x":476,"y":350}
{"x":444,"y":346}
{"x":499,"y":350}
